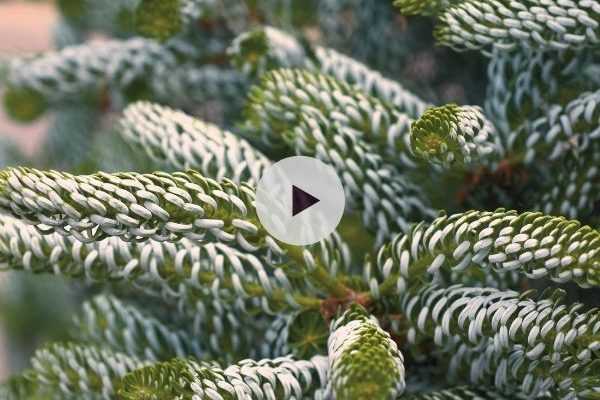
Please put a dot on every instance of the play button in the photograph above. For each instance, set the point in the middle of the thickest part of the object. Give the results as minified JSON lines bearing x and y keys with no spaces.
{"x":300,"y":200}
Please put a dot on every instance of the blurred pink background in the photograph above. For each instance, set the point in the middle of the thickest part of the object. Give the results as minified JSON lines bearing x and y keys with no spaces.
{"x":25,"y":27}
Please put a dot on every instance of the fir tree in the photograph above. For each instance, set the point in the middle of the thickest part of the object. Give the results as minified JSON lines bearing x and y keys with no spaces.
{"x":456,"y":212}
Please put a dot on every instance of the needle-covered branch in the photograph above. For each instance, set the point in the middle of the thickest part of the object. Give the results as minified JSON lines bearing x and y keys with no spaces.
{"x":182,"y":141}
{"x":160,"y":206}
{"x":508,"y":24}
{"x":534,"y":244}
{"x":387,"y":200}
{"x":184,"y":271}
{"x":19,"y":387}
{"x":464,"y":393}
{"x":285,"y":96}
{"x":282,"y":378}
{"x":201,"y":302}
{"x":454,"y":134}
{"x":78,"y":71}
{"x":364,"y":362}
{"x":569,"y":129}
{"x":164,"y":19}
{"x":263,"y":49}
{"x":189,"y":85}
{"x":516,"y":375}
{"x":423,"y":7}
{"x":107,"y":321}
{"x":81,"y":371}
{"x":503,"y":320}
{"x":577,"y":187}
{"x":524,"y":84}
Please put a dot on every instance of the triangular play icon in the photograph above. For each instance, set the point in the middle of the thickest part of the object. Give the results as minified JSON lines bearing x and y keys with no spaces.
{"x":301,"y":200}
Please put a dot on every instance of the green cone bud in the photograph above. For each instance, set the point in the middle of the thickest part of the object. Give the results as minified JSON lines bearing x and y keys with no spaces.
{"x":24,"y":105}
{"x":158,"y":19}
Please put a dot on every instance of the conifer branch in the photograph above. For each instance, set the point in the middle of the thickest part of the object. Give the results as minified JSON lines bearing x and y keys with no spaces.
{"x":275,"y":338}
{"x":164,"y":19}
{"x":258,"y":51}
{"x":569,"y":129}
{"x":285,"y":96}
{"x":507,"y":25}
{"x":577,"y":187}
{"x":532,"y":243}
{"x":302,"y":334}
{"x":81,"y":371}
{"x":228,"y":332}
{"x":503,"y":320}
{"x":423,"y":7}
{"x":387,"y":200}
{"x":464,"y":393}
{"x":19,"y":388}
{"x":524,"y":84}
{"x":183,"y":142}
{"x":453,"y":134}
{"x":281,"y":378}
{"x":106,"y":321}
{"x":514,"y":374}
{"x":180,"y":271}
{"x":364,"y":362}
{"x":286,"y":322}
{"x":160,"y":206}
{"x":77,"y":71}
{"x":189,"y":84}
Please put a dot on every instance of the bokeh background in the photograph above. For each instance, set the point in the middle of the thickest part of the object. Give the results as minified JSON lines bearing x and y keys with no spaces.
{"x":32,"y":309}
{"x":25,"y":27}
{"x":35,"y":309}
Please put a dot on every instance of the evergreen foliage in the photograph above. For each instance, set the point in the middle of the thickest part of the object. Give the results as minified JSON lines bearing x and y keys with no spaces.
{"x":451,"y":133}
{"x":456,"y":213}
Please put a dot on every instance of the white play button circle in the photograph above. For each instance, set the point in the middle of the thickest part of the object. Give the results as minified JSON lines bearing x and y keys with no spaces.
{"x":300,"y":200}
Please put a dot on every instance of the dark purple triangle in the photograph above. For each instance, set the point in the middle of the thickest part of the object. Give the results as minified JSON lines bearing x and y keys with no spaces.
{"x":301,"y":200}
